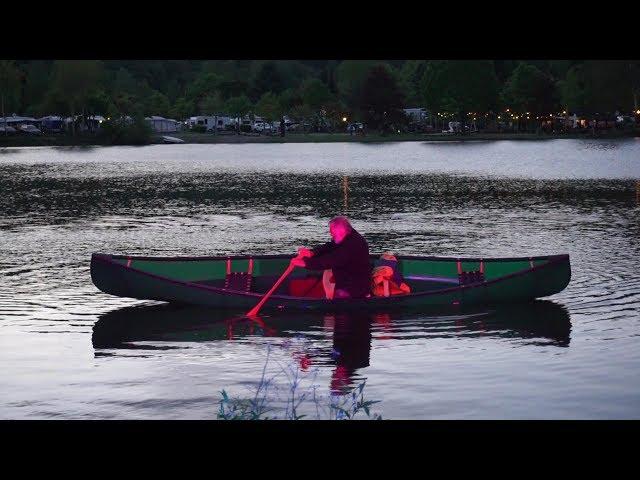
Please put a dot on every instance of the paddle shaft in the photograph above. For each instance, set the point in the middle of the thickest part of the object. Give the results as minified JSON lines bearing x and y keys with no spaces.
{"x":254,"y":311}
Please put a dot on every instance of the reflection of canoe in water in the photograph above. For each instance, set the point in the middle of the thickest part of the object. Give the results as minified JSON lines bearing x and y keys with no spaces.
{"x":539,"y":321}
{"x":343,"y":342}
{"x":433,"y":281}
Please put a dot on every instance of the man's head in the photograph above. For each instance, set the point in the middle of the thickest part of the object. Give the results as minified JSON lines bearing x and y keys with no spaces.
{"x":339,"y":228}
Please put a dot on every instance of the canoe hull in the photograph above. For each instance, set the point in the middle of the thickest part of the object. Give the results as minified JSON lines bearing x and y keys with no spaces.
{"x":112,"y":275}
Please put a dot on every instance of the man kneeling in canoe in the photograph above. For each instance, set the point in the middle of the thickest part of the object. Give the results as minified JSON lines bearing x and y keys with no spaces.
{"x":347,"y":255}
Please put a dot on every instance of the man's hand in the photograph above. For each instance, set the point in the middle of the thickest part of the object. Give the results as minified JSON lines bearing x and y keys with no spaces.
{"x":304,"y":252}
{"x":297,"y":261}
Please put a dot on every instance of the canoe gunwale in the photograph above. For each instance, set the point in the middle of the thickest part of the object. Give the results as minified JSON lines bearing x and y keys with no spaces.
{"x":109,"y":259}
{"x":372,"y":256}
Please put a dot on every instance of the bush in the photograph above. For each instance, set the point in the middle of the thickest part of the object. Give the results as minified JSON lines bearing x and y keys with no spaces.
{"x":245,"y":128}
{"x":199,"y":129}
{"x":121,"y":131}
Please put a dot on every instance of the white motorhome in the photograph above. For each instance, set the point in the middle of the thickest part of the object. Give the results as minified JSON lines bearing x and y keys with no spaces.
{"x":219,"y":122}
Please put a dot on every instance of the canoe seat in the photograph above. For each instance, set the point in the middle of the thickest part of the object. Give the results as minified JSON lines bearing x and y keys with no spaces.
{"x":473,"y":276}
{"x":238,"y":281}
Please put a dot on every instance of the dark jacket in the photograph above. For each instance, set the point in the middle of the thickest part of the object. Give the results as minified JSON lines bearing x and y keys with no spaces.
{"x":349,"y":262}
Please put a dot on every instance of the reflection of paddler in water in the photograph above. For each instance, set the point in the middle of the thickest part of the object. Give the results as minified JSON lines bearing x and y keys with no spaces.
{"x":351,"y":347}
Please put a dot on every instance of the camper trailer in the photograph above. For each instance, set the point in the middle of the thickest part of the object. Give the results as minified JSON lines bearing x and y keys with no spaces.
{"x":210,"y":122}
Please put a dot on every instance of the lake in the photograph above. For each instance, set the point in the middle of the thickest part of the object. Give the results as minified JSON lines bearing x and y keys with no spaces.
{"x":69,"y":351}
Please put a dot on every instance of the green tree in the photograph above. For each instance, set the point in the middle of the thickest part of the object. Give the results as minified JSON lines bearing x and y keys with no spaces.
{"x":301,"y":113}
{"x":315,"y":94}
{"x":609,"y":85}
{"x":598,"y":86}
{"x":122,"y":131}
{"x":634,"y":73}
{"x":9,"y":87}
{"x":124,"y":103}
{"x":157,"y":104}
{"x":381,"y":100}
{"x":335,"y":112}
{"x":350,"y":76}
{"x":560,"y":68}
{"x":294,"y":73}
{"x":233,"y":88}
{"x":37,"y":75}
{"x":75,"y":80}
{"x":238,"y":107}
{"x":573,"y":90}
{"x":289,"y":99}
{"x":99,"y":103}
{"x":410,"y":76}
{"x":530,"y":90}
{"x":268,"y":78}
{"x":124,"y":82}
{"x":206,"y":84}
{"x":212,"y":104}
{"x":182,"y":108}
{"x":268,"y":107}
{"x":504,"y":68}
{"x":460,"y":86}
{"x":325,"y":71}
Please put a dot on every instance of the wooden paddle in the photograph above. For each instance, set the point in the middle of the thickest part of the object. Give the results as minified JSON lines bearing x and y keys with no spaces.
{"x":254,"y":311}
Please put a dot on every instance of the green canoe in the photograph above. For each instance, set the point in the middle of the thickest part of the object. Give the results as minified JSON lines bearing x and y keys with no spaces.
{"x":433,"y":281}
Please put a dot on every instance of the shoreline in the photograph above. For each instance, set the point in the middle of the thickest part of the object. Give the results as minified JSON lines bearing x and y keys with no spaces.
{"x":209,"y":138}
{"x":189,"y":137}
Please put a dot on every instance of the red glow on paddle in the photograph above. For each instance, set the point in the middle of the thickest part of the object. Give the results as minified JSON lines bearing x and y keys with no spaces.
{"x":305,"y":362}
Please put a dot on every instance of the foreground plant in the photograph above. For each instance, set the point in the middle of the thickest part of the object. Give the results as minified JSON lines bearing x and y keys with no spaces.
{"x":300,"y":389}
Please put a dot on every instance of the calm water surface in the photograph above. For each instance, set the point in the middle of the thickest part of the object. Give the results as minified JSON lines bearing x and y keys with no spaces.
{"x":69,"y":351}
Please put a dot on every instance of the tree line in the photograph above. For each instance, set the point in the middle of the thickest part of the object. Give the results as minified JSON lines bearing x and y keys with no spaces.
{"x":318,"y":91}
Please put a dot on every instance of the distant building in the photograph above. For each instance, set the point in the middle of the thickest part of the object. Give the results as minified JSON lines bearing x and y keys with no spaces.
{"x":418,"y":115}
{"x":163,"y":125}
